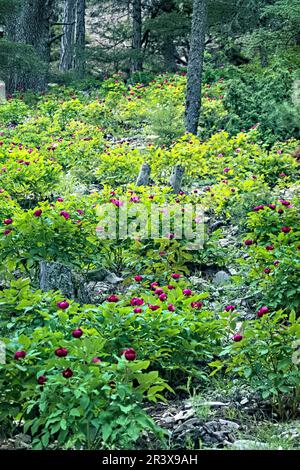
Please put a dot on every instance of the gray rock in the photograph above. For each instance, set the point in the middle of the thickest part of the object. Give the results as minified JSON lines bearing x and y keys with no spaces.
{"x":176,"y":178}
{"x":244,"y":444}
{"x":212,"y":404}
{"x":55,"y":276}
{"x":221,"y":278}
{"x":112,"y":278}
{"x":184,"y":415}
{"x":229,"y":424}
{"x":144,"y":175}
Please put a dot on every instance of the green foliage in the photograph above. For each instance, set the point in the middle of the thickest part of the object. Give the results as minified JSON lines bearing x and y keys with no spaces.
{"x":266,"y":357}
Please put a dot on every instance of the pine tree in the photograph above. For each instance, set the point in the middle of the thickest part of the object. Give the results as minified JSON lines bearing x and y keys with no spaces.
{"x":137,"y":35}
{"x":67,"y":40}
{"x":195,"y":66}
{"x":28,"y":33}
{"x":79,"y":58}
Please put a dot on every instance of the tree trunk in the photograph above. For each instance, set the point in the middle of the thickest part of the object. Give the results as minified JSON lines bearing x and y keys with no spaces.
{"x":2,"y":92}
{"x":67,"y":40}
{"x":169,"y":54}
{"x":195,"y":66}
{"x":32,"y":26}
{"x":79,"y":59}
{"x":137,"y":63}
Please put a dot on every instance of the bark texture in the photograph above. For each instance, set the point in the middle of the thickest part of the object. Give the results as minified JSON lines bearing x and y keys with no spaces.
{"x":137,"y":63}
{"x":2,"y":92}
{"x":176,"y":178}
{"x":67,"y":40}
{"x":32,"y":26}
{"x":144,"y":175}
{"x":195,"y":66}
{"x":79,"y":59}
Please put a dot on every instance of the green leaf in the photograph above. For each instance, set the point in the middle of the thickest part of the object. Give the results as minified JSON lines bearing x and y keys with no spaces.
{"x":63,"y":424}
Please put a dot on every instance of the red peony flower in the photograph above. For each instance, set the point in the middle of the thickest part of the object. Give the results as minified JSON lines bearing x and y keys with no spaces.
{"x":19,"y":355}
{"x":272,"y":206}
{"x":175,"y":276}
{"x":65,"y":214}
{"x":237,"y":337}
{"x":267,"y":270}
{"x":153,"y":285}
{"x":163,"y":297}
{"x":38,"y":213}
{"x":286,"y":229}
{"x":96,"y":360}
{"x":63,"y":305}
{"x":158,"y":291}
{"x":61,"y":352}
{"x":138,"y":278}
{"x":229,"y":308}
{"x":248,"y":242}
{"x":171,"y":308}
{"x":8,"y":221}
{"x":68,"y":373}
{"x":269,"y":247}
{"x":262,"y":311}
{"x":170,"y":287}
{"x":77,"y":333}
{"x":285,"y":203}
{"x":197,"y":305}
{"x":258,"y":208}
{"x":154,"y":307}
{"x":129,"y":354}
{"x":136,"y":301}
{"x":42,"y":379}
{"x":7,"y":231}
{"x":187,"y":292}
{"x":113,"y":298}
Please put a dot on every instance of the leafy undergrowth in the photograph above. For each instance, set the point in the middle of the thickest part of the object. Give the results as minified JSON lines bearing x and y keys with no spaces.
{"x":81,"y":374}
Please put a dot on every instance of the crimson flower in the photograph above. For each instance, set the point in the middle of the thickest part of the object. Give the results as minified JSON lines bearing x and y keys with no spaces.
{"x":61,"y":352}
{"x":8,"y":221}
{"x":129,"y":354}
{"x":77,"y":333}
{"x":229,"y":308}
{"x":136,"y":301}
{"x":113,"y":298}
{"x":42,"y":379}
{"x":197,"y":305}
{"x":187,"y":292}
{"x":19,"y":355}
{"x":68,"y":373}
{"x":154,"y":307}
{"x":237,"y":337}
{"x":63,"y":305}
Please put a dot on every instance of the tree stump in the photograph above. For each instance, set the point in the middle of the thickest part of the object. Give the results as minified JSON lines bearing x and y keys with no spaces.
{"x":2,"y":92}
{"x":176,"y":178}
{"x":55,"y":276}
{"x":144,"y":175}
